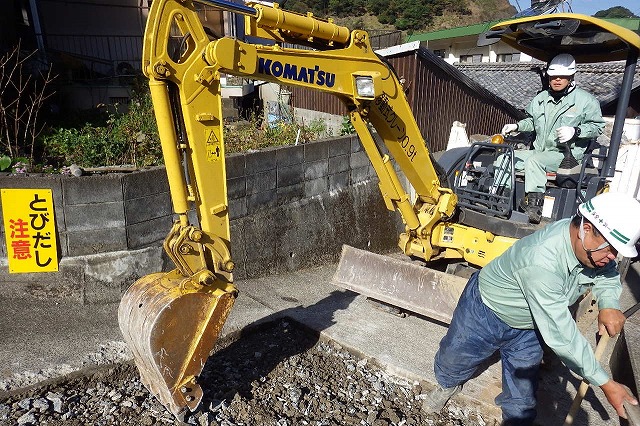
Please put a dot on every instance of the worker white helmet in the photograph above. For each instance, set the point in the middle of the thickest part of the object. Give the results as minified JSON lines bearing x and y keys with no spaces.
{"x":615,"y":215}
{"x":563,"y":64}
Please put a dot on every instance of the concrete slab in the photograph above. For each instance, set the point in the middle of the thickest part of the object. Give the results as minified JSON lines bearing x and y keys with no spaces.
{"x":41,"y":339}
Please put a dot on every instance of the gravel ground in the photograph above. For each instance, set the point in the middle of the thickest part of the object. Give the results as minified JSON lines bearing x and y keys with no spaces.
{"x":278,"y":374}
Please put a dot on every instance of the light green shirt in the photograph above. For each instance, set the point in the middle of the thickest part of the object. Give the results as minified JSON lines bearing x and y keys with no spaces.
{"x":534,"y":282}
{"x":577,"y":108}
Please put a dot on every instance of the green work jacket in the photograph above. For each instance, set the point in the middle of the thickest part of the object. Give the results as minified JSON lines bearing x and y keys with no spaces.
{"x":578,"y":109}
{"x":532,"y":284}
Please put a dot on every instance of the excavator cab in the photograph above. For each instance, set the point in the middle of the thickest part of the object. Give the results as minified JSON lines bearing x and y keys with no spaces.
{"x":171,"y":320}
{"x":487,"y":183}
{"x":486,"y":204}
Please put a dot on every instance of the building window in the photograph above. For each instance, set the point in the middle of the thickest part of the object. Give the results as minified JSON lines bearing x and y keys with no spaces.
{"x":440,"y":52}
{"x":508,"y":57}
{"x":119,"y":100}
{"x":467,"y":59}
{"x":24,"y":13}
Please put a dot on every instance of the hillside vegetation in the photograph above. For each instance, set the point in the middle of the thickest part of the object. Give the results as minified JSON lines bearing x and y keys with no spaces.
{"x":615,"y":12}
{"x":404,"y":15}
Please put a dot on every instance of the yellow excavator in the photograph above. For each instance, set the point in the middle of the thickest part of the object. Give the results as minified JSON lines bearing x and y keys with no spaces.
{"x":171,"y":321}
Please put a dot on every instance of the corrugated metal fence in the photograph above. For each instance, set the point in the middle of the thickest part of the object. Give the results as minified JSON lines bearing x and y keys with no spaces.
{"x":438,"y":93}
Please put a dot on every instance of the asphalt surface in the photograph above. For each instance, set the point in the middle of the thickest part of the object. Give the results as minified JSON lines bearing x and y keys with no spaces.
{"x":42,"y":339}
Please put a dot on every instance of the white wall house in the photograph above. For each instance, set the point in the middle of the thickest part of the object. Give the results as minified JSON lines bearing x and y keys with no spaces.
{"x":459,"y":45}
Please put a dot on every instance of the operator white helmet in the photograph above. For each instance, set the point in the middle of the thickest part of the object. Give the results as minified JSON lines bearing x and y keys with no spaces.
{"x":563,"y":65}
{"x":616,"y":216}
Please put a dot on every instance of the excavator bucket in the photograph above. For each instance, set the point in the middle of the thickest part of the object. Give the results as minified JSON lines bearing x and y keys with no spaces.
{"x":171,"y":325}
{"x":399,"y":283}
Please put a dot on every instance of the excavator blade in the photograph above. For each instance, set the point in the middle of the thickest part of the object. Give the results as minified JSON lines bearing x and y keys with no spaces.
{"x":405,"y":285}
{"x":171,"y":326}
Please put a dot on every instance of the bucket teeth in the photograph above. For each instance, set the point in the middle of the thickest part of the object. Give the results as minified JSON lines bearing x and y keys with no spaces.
{"x":171,"y":329}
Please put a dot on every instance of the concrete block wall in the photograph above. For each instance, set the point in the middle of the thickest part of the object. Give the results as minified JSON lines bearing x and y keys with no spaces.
{"x":110,"y":230}
{"x":293,"y":207}
{"x":147,"y":208}
{"x":290,"y":207}
{"x":281,"y":175}
{"x":103,"y":213}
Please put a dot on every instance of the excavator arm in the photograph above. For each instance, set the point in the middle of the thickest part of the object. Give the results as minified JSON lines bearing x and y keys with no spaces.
{"x":171,"y":321}
{"x":346,"y":67}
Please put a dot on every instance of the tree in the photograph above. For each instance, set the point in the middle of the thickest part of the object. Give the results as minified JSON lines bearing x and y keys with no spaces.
{"x":378,"y":7}
{"x":403,"y":14}
{"x":615,"y":12}
{"x":23,"y":92}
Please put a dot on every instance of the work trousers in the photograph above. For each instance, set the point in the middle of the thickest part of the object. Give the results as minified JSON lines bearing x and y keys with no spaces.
{"x":535,"y":164}
{"x":474,"y":335}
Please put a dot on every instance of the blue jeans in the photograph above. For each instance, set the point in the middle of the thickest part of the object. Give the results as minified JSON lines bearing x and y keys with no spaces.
{"x":474,"y":335}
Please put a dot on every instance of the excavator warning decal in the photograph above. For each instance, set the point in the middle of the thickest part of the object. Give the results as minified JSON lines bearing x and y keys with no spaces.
{"x":447,"y":235}
{"x":214,"y":148}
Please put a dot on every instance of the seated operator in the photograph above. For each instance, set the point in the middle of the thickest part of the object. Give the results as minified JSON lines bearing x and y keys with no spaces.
{"x":561,"y":116}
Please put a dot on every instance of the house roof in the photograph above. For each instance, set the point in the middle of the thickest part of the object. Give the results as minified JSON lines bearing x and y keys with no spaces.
{"x":434,"y":61}
{"x":632,"y":24}
{"x":452,"y":32}
{"x":518,"y":83}
{"x":477,"y":29}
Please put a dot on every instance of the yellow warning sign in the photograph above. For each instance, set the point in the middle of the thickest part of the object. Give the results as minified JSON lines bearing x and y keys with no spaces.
{"x":214,"y":147}
{"x":30,"y":230}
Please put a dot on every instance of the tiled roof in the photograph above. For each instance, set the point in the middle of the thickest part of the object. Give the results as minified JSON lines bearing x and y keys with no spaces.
{"x":518,"y":83}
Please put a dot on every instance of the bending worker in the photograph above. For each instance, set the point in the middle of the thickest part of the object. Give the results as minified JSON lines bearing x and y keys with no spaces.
{"x":521,"y":298}
{"x":562,"y":114}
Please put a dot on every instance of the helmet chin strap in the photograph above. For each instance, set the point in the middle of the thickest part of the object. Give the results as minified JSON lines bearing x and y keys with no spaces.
{"x":588,"y":251}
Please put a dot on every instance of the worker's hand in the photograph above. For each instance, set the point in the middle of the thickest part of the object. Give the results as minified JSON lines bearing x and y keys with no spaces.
{"x":508,"y":128}
{"x":616,"y":394}
{"x":610,"y":321}
{"x":565,"y":133}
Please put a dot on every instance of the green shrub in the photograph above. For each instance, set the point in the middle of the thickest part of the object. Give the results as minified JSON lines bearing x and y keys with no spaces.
{"x":126,"y":138}
{"x":346,"y":128}
{"x":132,"y":137}
{"x":5,"y":162}
{"x":256,"y":134}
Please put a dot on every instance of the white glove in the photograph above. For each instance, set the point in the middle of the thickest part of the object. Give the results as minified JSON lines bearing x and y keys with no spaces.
{"x":508,"y":128}
{"x":565,"y":133}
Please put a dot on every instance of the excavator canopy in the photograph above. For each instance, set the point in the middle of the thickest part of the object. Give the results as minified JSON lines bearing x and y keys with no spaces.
{"x":587,"y":38}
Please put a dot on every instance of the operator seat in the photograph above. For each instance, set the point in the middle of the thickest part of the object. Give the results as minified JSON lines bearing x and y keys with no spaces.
{"x":579,"y":176}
